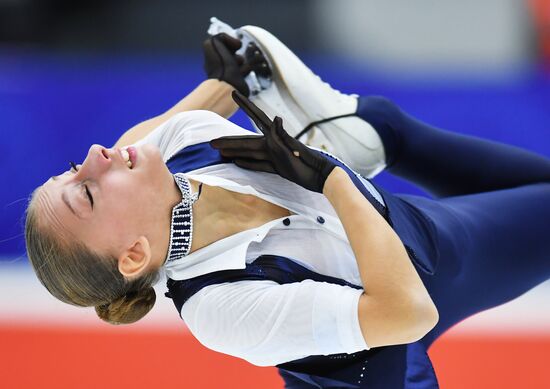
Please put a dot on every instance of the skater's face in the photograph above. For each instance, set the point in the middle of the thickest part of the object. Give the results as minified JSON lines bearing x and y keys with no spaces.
{"x":104,"y":203}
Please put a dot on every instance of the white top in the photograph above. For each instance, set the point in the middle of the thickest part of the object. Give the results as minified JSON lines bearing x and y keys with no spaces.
{"x":264,"y":322}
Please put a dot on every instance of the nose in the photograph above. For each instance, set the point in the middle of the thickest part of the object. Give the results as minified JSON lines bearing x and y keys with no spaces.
{"x":97,"y":162}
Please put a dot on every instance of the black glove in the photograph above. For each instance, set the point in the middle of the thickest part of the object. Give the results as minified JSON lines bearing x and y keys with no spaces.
{"x":221,"y":62}
{"x":275,"y":152}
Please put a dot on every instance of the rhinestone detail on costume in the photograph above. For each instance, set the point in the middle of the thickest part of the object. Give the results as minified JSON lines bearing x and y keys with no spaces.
{"x":181,"y":227}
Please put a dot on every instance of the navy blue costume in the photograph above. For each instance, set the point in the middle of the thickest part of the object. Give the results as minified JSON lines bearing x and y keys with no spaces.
{"x":482,"y":240}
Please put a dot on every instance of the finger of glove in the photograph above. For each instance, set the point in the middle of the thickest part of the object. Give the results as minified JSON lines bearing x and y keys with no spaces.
{"x":207,"y":44}
{"x":257,"y":155}
{"x":262,"y":166}
{"x":213,"y":61}
{"x":249,"y":142}
{"x":221,"y":63}
{"x":256,"y":114}
{"x":284,"y":137}
{"x":244,"y":66}
{"x":233,"y":44}
{"x":226,"y":55}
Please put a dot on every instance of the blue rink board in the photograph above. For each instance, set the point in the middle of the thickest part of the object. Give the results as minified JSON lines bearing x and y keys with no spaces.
{"x":53,"y":107}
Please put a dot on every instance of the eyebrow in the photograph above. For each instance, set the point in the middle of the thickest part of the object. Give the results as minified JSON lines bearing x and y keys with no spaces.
{"x":66,"y":201}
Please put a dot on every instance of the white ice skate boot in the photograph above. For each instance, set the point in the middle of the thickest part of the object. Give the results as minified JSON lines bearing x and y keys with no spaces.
{"x":301,"y":98}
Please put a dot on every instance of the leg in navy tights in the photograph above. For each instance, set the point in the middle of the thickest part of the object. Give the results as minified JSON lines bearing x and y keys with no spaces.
{"x":446,"y":163}
{"x":492,"y":210}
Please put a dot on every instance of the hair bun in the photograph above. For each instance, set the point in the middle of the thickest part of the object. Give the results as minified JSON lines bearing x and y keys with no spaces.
{"x":129,"y":308}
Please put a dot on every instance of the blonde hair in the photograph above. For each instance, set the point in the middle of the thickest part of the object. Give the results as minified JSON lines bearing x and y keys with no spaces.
{"x":77,"y":275}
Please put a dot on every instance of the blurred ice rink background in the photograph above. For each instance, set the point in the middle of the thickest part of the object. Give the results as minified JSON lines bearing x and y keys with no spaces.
{"x":73,"y":73}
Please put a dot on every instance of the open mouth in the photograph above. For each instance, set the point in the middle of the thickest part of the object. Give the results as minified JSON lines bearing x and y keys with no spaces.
{"x":129,"y":155}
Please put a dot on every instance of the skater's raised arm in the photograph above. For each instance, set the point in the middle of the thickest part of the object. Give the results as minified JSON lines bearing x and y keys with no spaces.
{"x":225,"y":71}
{"x":211,"y":95}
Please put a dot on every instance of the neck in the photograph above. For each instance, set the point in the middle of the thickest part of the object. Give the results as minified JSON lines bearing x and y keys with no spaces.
{"x":220,"y":213}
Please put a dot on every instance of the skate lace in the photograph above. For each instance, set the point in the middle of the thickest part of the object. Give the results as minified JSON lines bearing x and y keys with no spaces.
{"x":316,"y":122}
{"x":310,"y":126}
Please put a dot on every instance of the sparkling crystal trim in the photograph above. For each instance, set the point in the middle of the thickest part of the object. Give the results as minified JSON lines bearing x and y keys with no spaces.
{"x":181,"y":227}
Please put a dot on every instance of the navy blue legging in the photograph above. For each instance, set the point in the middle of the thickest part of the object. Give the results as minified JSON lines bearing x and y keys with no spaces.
{"x":491,"y":209}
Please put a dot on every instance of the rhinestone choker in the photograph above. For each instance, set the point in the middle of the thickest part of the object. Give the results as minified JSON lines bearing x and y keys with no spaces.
{"x":181,"y":227}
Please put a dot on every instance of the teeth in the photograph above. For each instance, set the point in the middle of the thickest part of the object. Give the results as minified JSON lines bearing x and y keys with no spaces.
{"x":126,"y":157}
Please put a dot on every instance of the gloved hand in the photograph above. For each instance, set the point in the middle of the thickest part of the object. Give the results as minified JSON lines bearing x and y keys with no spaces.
{"x":221,"y":62}
{"x":274,"y":152}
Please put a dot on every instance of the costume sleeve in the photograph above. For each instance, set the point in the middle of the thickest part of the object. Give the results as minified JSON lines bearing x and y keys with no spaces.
{"x":188,"y":128}
{"x":267,"y":323}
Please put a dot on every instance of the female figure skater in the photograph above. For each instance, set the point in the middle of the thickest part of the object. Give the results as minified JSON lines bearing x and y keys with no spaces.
{"x":281,"y":254}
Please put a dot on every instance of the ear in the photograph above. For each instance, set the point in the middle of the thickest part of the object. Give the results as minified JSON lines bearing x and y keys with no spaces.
{"x":135,"y":260}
